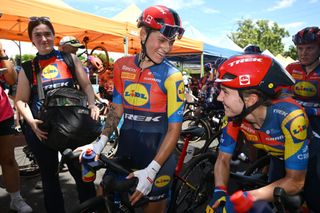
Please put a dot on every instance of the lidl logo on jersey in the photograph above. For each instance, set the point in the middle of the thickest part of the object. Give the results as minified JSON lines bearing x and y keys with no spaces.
{"x":180,"y":86}
{"x":298,"y":128}
{"x":51,"y":71}
{"x":305,"y":89}
{"x":137,"y":94}
{"x":162,"y":181}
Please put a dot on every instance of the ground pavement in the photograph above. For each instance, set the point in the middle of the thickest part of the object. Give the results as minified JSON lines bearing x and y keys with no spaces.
{"x":34,"y":197}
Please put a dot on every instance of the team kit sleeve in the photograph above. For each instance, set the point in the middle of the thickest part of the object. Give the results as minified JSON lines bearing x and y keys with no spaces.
{"x":228,"y":140}
{"x":175,"y":97}
{"x":295,"y":129}
{"x":118,"y":87}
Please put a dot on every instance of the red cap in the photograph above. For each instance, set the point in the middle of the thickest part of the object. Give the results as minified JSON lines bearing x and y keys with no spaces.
{"x":89,"y":152}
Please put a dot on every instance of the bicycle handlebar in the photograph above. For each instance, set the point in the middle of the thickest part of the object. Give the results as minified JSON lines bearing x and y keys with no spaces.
{"x":284,"y":201}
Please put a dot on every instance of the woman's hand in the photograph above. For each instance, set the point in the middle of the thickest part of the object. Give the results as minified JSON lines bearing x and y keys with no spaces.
{"x":94,"y":111}
{"x":41,"y":135}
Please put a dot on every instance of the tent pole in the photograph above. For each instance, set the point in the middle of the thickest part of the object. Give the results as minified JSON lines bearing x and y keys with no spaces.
{"x":125,"y":43}
{"x":201,"y":65}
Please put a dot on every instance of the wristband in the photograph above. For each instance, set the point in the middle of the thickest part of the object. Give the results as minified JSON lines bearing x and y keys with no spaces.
{"x":100,"y":144}
{"x":154,"y":166}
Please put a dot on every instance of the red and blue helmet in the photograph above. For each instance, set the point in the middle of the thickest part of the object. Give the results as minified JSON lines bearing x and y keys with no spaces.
{"x":164,"y":19}
{"x":254,"y":71}
{"x":307,"y":35}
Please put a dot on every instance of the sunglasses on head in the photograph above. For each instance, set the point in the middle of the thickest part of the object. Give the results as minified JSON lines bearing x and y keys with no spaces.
{"x":39,"y":18}
{"x":171,"y":32}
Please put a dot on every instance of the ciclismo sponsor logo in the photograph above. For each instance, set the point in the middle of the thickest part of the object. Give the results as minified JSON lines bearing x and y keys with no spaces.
{"x":245,"y":60}
{"x":136,"y":94}
{"x":305,"y":89}
{"x":162,"y":181}
{"x":280,"y":112}
{"x":56,"y":85}
{"x":304,"y":154}
{"x":50,"y":72}
{"x":142,"y":118}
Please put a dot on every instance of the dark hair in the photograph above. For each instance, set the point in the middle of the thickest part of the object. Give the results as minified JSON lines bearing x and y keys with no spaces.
{"x":34,"y":23}
{"x":267,"y":99}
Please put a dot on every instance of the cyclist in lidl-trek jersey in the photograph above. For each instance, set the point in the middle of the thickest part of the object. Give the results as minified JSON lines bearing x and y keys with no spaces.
{"x":250,"y":93}
{"x":306,"y":91}
{"x":149,"y":93}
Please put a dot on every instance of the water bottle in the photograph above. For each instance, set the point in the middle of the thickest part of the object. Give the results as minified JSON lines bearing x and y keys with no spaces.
{"x":88,"y":175}
{"x":242,"y":203}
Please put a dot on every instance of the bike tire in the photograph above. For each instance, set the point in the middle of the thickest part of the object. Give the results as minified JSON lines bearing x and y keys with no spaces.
{"x":26,"y":161}
{"x":258,"y":165}
{"x":199,"y":174}
{"x":96,"y":204}
{"x":103,"y":54}
{"x":197,"y":142}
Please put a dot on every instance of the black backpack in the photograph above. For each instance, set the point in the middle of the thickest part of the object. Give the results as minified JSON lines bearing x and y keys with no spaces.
{"x":64,"y":112}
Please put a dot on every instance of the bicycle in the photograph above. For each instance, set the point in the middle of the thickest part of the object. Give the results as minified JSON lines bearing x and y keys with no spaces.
{"x":193,"y":195}
{"x":124,"y":186}
{"x":97,"y":55}
{"x":211,"y":121}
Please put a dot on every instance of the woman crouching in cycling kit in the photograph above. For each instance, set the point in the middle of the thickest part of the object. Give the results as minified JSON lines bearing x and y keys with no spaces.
{"x":250,"y":92}
{"x":149,"y":93}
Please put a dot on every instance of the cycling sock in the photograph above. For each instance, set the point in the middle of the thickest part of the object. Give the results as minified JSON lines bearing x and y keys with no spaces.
{"x":14,"y":195}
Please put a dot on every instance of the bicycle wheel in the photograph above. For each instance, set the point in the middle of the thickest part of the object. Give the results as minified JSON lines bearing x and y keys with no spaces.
{"x":197,"y":142}
{"x":103,"y":55}
{"x":96,"y":204}
{"x":26,"y":161}
{"x":192,"y":194}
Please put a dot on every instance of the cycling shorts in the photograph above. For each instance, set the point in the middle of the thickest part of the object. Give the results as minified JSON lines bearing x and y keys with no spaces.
{"x":7,"y":127}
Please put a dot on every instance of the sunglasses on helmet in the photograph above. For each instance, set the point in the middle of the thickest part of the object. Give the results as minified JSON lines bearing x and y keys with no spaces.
{"x":72,"y":42}
{"x":171,"y":32}
{"x":40,"y":18}
{"x":304,"y":38}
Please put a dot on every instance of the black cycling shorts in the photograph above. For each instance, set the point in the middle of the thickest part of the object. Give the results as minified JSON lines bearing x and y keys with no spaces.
{"x":7,"y":127}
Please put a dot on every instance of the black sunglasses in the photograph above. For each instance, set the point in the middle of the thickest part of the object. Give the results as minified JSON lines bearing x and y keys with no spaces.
{"x":40,"y":18}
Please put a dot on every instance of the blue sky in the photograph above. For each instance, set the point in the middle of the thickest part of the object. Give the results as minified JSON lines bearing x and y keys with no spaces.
{"x":213,"y":19}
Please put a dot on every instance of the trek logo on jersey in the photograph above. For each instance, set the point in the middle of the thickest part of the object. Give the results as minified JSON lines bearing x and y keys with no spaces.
{"x":162,"y":181}
{"x":142,"y":118}
{"x":298,"y":128}
{"x":244,"y":79}
{"x":51,"y":71}
{"x":305,"y":89}
{"x":180,"y":86}
{"x":137,"y":94}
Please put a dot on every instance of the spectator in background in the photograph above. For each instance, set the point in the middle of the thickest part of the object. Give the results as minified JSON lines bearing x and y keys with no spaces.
{"x":307,"y":92}
{"x":42,"y":34}
{"x":70,"y":44}
{"x":8,"y":163}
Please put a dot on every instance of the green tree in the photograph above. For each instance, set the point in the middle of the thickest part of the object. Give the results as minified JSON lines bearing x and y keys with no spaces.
{"x":262,"y":33}
{"x":25,"y":57}
{"x":292,"y":52}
